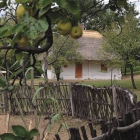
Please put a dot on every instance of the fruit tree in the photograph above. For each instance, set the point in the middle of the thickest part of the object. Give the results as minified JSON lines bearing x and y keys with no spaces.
{"x":26,"y":26}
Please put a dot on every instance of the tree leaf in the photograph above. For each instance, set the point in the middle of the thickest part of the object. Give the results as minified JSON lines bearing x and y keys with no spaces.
{"x":55,"y":16}
{"x":2,"y":82}
{"x":124,"y":3}
{"x":33,"y":133}
{"x":23,"y":1}
{"x":42,"y":25}
{"x":61,"y":3}
{"x":32,"y":32}
{"x":15,"y":73}
{"x":3,"y":32}
{"x":20,"y":138}
{"x":36,"y":93}
{"x":113,"y":8}
{"x":62,"y":125}
{"x":121,"y":20}
{"x":3,"y":4}
{"x":10,"y":88}
{"x":19,"y":130}
{"x":28,"y":70}
{"x":43,"y":10}
{"x":39,"y":69}
{"x":17,"y":28}
{"x":75,"y":19}
{"x":19,"y":56}
{"x":72,"y":6}
{"x":55,"y":117}
{"x":44,"y":3}
{"x":8,"y":136}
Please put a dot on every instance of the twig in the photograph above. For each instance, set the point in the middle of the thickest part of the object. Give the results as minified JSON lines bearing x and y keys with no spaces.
{"x":30,"y":123}
{"x":7,"y":121}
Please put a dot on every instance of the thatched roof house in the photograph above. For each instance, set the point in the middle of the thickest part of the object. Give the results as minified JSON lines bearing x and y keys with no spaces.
{"x":92,"y":67}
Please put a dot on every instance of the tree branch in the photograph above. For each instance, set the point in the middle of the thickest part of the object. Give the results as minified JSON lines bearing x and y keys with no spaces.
{"x":48,"y":36}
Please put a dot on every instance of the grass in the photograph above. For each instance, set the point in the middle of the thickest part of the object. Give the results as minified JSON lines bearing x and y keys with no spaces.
{"x":126,"y":83}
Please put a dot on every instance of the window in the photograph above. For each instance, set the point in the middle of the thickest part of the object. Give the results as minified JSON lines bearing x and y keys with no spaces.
{"x":103,"y":67}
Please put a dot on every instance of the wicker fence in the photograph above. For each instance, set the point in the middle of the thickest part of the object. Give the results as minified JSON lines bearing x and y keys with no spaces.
{"x":116,"y":129}
{"x":82,"y":101}
{"x":93,"y":103}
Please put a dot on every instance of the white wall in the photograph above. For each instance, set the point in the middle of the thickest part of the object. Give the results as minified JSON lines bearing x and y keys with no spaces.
{"x":68,"y":72}
{"x":90,"y":70}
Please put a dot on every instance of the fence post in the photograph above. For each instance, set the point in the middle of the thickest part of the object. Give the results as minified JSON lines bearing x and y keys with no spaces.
{"x":129,"y":120}
{"x":57,"y":137}
{"x":115,"y":114}
{"x":121,"y":124}
{"x":84,"y":133}
{"x":71,"y":100}
{"x":75,"y":134}
{"x":92,"y":131}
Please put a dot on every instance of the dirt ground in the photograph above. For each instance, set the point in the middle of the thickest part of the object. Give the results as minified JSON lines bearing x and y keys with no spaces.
{"x":128,"y":77}
{"x":64,"y":135}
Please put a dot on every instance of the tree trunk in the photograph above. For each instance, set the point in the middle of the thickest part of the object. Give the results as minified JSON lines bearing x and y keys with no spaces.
{"x":132,"y":77}
{"x":125,"y":70}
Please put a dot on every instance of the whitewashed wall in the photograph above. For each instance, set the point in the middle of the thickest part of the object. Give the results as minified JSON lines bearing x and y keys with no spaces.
{"x":90,"y":70}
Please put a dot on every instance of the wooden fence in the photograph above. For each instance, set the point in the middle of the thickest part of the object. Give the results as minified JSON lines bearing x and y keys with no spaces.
{"x":44,"y":100}
{"x":80,"y":101}
{"x":116,"y":129}
{"x":91,"y":103}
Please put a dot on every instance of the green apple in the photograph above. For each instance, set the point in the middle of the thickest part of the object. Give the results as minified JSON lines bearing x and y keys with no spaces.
{"x":20,"y":12}
{"x":64,"y":27}
{"x":23,"y":41}
{"x":76,"y":32}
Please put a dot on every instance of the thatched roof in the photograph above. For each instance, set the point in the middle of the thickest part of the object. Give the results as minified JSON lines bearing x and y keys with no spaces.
{"x":90,"y":43}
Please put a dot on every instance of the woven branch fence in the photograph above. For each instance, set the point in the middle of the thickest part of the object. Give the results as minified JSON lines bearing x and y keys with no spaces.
{"x":80,"y":101}
{"x":116,"y":129}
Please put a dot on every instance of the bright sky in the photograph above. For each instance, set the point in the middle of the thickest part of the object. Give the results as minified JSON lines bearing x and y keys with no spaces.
{"x":137,"y":3}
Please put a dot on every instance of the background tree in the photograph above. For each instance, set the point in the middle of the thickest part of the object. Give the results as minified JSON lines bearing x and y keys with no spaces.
{"x":124,"y":48}
{"x":98,"y":14}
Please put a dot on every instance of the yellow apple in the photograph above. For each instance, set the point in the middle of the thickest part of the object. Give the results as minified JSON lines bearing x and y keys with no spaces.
{"x":23,"y":41}
{"x":64,"y":27}
{"x":20,"y":12}
{"x":76,"y":32}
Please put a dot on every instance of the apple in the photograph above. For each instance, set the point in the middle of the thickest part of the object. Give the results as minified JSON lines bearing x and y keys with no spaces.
{"x":20,"y":12}
{"x":23,"y":41}
{"x":76,"y":32}
{"x":64,"y":27}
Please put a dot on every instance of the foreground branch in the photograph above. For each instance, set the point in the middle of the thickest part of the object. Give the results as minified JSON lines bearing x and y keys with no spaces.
{"x":35,"y":50}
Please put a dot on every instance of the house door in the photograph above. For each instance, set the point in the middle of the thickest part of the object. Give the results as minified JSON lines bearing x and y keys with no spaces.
{"x":78,"y":70}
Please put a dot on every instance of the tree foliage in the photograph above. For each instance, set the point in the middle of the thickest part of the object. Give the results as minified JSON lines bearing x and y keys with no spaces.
{"x":124,"y":48}
{"x":97,"y":14}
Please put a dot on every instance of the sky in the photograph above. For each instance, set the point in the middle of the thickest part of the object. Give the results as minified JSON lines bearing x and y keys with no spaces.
{"x":137,"y":3}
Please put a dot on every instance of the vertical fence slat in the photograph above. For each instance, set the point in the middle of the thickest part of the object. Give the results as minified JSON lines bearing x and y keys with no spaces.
{"x":84,"y":133}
